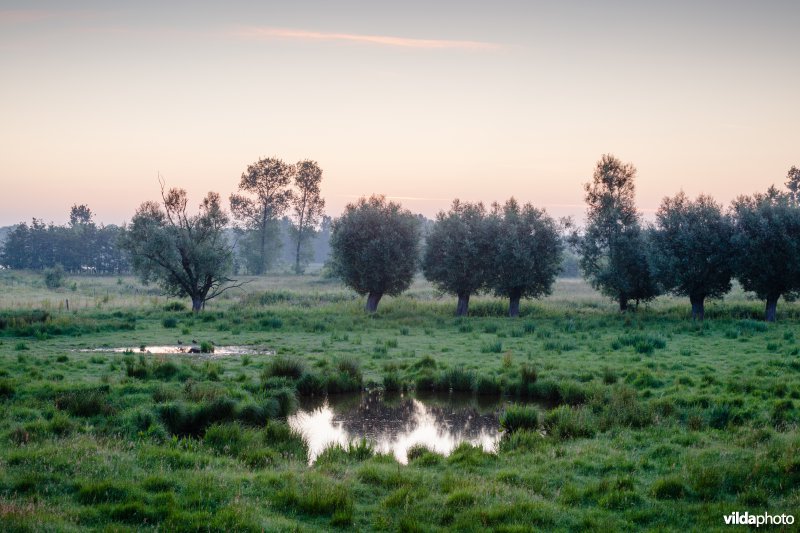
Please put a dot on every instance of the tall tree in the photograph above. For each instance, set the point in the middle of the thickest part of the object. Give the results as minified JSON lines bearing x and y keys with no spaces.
{"x":267,"y":181}
{"x":793,"y":184}
{"x":767,"y":247}
{"x":80,"y":215}
{"x":308,"y":206}
{"x":374,"y":248}
{"x":188,"y":255}
{"x":690,"y":249}
{"x":612,"y":248}
{"x":527,"y":253}
{"x":458,"y":252}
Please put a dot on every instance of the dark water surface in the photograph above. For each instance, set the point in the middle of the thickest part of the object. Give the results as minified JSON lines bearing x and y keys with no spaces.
{"x":395,"y":422}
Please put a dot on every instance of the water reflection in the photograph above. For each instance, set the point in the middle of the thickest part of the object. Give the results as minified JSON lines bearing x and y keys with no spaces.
{"x":394,"y":423}
{"x":186,"y":349}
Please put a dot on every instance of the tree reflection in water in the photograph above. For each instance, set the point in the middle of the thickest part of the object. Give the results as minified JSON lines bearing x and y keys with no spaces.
{"x":394,"y":423}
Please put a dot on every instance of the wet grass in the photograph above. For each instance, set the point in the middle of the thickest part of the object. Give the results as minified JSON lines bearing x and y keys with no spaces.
{"x":654,"y":422}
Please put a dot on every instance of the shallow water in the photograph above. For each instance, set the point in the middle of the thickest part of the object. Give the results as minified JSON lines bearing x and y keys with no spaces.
{"x":186,"y":349}
{"x":394,"y":423}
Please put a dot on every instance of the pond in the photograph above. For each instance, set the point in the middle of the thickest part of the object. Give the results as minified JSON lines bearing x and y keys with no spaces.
{"x":187,"y":349}
{"x":393,"y":423}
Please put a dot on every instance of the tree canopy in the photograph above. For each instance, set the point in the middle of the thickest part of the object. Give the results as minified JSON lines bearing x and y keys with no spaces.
{"x":690,"y":249}
{"x":308,"y":205}
{"x":188,"y":255}
{"x":458,"y":252}
{"x":766,"y":246}
{"x":266,"y":184}
{"x":612,"y":248}
{"x":526,"y":254}
{"x":374,"y":248}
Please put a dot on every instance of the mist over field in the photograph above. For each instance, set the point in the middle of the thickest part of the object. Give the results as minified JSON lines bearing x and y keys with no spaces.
{"x":461,"y":266}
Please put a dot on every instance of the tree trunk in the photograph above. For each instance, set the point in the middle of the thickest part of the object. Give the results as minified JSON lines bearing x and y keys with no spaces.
{"x":372,"y":301}
{"x":300,"y":224}
{"x":513,"y":303}
{"x":623,"y":303}
{"x":297,"y":256}
{"x":463,"y":304}
{"x":772,"y":308}
{"x":197,"y":304}
{"x":698,"y":307}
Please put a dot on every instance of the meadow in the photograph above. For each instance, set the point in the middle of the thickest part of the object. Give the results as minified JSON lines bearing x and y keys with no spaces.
{"x":653,"y":422}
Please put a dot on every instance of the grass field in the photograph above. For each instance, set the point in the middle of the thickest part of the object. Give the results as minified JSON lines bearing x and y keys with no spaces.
{"x":658,"y":423}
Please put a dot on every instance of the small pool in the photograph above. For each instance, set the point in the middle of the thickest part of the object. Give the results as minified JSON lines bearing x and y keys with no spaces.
{"x":393,"y":423}
{"x":186,"y":349}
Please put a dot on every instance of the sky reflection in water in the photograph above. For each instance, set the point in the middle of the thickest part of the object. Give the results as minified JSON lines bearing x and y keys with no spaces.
{"x":394,"y":423}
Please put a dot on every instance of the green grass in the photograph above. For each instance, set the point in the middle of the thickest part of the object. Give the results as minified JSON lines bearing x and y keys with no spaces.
{"x":645,"y":420}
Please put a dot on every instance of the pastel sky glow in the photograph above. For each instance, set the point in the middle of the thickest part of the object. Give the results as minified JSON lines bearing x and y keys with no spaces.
{"x":421,"y":101}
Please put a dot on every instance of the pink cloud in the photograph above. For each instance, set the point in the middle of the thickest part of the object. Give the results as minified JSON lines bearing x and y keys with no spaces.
{"x":383,"y":40}
{"x":21,"y":16}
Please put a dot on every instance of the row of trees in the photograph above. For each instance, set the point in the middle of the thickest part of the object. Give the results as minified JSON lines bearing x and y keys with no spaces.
{"x":513,"y":250}
{"x":80,"y":246}
{"x":693,"y":249}
{"x":268,"y":189}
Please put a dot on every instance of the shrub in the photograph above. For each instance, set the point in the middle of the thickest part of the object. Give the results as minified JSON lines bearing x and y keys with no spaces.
{"x":783,"y":414}
{"x":349,"y":366}
{"x":7,"y":389}
{"x":458,"y":379}
{"x":166,"y":370}
{"x":425,"y":362}
{"x":426,"y":381}
{"x":254,"y":414}
{"x":310,"y":384}
{"x":528,"y":374}
{"x":516,"y":417}
{"x":206,"y":347}
{"x":492,"y":347}
{"x":102,"y":492}
{"x":281,"y":438}
{"x":317,"y":495}
{"x":565,"y":422}
{"x":184,"y":421}
{"x":286,"y":400}
{"x":416,"y":451}
{"x":669,"y":488}
{"x":544,"y":390}
{"x":357,"y":450}
{"x":571,"y":393}
{"x":271,"y":323}
{"x":226,"y":439}
{"x":392,"y":382}
{"x":85,"y":403}
{"x":487,"y":386}
{"x":54,"y":277}
{"x":175,"y":306}
{"x":281,"y":366}
{"x":522,"y":440}
{"x":339,"y":382}
{"x":170,"y":322}
{"x":133,"y":369}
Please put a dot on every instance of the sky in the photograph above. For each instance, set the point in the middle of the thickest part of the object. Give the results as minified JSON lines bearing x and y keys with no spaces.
{"x":421,"y":101}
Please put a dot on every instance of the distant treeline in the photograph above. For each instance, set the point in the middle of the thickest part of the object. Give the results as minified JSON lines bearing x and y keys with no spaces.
{"x":82,"y":246}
